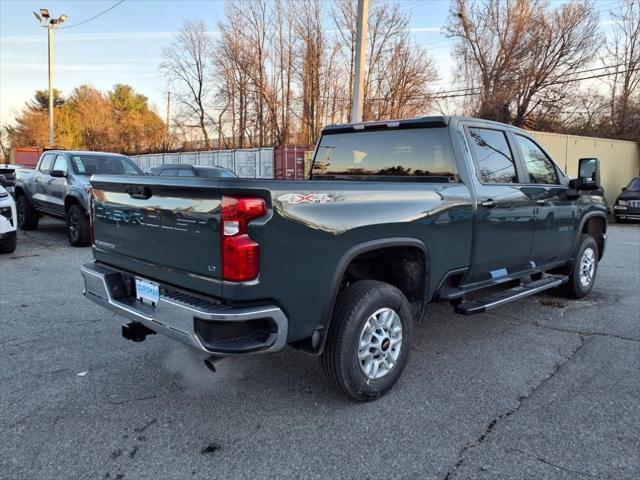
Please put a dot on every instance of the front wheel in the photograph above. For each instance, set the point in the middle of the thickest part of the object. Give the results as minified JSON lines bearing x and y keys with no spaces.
{"x":583,"y":271}
{"x":27,"y":216}
{"x":78,"y":227}
{"x":8,"y":246}
{"x":369,"y":340}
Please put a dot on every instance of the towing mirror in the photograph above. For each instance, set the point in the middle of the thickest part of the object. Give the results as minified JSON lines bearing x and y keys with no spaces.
{"x":589,"y":174}
{"x":58,"y":173}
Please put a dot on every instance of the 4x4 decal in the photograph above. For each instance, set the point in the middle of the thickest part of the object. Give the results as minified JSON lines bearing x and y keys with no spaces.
{"x":295,"y":198}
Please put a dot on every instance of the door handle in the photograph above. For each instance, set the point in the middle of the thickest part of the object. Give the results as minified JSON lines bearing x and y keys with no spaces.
{"x":488,"y":203}
{"x":541,"y":202}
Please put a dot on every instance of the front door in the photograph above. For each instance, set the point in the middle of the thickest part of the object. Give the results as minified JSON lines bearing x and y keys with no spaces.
{"x":556,"y":216}
{"x":505,"y":214}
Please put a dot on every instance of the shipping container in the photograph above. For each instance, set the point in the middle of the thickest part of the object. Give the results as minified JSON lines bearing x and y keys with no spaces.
{"x":280,"y":162}
{"x":26,"y":156}
{"x":290,"y":161}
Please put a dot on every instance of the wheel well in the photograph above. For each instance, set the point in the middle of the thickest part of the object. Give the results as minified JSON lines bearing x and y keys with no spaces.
{"x":403,"y":267}
{"x":70,"y":201}
{"x":596,"y":227}
{"x":19,"y":191}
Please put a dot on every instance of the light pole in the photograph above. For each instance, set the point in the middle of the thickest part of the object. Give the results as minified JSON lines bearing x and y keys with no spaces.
{"x":50,"y":23}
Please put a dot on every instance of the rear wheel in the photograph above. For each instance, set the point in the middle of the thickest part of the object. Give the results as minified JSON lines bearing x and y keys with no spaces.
{"x":369,"y":340}
{"x":77,"y":226}
{"x":583,"y":271}
{"x":27,"y":216}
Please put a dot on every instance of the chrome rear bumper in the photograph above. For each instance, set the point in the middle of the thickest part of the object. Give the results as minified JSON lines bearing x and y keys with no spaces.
{"x":185,"y":317}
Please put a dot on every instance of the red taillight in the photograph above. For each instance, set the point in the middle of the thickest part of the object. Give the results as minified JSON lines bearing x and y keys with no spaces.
{"x":240,"y":254}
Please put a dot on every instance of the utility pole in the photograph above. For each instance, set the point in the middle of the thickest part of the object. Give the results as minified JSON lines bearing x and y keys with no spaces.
{"x":361,"y":55}
{"x":50,"y":23}
{"x":50,"y":52}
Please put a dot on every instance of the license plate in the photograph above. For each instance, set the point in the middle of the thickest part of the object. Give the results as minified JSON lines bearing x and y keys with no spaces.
{"x":147,"y":292}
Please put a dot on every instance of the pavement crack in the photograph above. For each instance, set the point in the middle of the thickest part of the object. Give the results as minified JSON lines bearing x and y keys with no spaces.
{"x":586,"y":334}
{"x":145,"y":426}
{"x":551,"y":464}
{"x":521,"y":399}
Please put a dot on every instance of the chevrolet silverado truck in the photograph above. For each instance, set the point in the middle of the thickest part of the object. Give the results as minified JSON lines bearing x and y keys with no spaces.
{"x":59,"y":187}
{"x":394,"y":215}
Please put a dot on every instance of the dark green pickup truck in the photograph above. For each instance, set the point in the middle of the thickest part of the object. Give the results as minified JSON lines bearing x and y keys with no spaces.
{"x":395,"y":215}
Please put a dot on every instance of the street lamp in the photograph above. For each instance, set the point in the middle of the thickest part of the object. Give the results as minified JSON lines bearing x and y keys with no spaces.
{"x":50,"y":23}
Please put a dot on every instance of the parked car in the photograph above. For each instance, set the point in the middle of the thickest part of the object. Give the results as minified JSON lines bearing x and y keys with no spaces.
{"x":395,"y":215}
{"x":59,"y":187}
{"x":184,"y":170}
{"x":627,"y":206}
{"x":8,"y":221}
{"x":8,"y":173}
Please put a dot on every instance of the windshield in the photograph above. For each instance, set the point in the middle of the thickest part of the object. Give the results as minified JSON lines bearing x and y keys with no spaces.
{"x":215,"y":173}
{"x":107,"y":164}
{"x":634,"y":186}
{"x":416,"y":152}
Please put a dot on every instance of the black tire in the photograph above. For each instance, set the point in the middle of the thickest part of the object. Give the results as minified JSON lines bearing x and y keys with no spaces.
{"x":28,"y":218}
{"x":353,"y":309}
{"x":575,"y":288}
{"x":78,"y":227}
{"x":8,"y":246}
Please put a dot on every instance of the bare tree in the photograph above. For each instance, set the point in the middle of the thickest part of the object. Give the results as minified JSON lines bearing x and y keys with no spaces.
{"x":623,"y":50}
{"x":516,"y":55}
{"x":186,"y":64}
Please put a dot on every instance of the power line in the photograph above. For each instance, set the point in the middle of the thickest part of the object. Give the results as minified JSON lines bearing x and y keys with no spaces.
{"x":94,"y":17}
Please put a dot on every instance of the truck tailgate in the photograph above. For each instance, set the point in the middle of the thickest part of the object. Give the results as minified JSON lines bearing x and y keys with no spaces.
{"x":166,"y":229}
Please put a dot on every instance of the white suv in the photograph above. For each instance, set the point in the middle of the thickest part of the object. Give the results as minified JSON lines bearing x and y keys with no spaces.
{"x":8,"y":222}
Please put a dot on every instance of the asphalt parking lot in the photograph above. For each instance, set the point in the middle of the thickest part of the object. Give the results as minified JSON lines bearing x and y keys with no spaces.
{"x":542,"y":388}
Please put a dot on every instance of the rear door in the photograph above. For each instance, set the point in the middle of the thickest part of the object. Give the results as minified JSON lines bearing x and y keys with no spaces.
{"x":505,"y":215}
{"x":58,"y":185}
{"x":41,"y":181}
{"x":555,"y":215}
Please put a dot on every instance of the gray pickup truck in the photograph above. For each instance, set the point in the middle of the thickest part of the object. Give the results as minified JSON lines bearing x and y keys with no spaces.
{"x":395,"y":215}
{"x":59,"y":187}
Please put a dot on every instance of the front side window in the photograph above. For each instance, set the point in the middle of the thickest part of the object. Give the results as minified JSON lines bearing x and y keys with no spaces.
{"x":185,"y":172}
{"x":492,"y":156}
{"x":45,"y":165}
{"x":540,"y":168}
{"x":169,"y":172}
{"x":60,"y":164}
{"x":416,"y":152}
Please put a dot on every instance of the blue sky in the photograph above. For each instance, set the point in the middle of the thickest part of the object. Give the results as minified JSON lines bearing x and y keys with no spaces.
{"x":125,"y":45}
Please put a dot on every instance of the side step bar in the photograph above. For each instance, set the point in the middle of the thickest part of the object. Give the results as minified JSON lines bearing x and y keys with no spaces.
{"x":472,"y":307}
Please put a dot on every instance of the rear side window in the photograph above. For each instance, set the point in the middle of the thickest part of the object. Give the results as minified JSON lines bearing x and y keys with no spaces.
{"x":169,"y":172}
{"x":185,"y":172}
{"x":45,"y":165}
{"x":540,"y":168}
{"x":492,"y":156}
{"x":60,"y":164}
{"x":96,"y":164}
{"x":418,"y":152}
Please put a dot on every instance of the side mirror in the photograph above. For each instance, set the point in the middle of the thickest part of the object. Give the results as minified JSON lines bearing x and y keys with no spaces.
{"x":58,"y":173}
{"x":623,"y":189}
{"x":589,"y":173}
{"x":3,"y":181}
